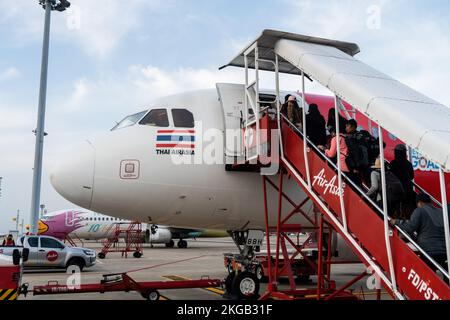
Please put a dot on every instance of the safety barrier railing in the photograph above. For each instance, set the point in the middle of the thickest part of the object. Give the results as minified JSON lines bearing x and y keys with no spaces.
{"x":365,"y":197}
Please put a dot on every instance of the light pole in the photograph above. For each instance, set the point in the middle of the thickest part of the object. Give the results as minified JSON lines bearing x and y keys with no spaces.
{"x":48,"y":5}
{"x":42,"y":206}
{"x":17,"y":220}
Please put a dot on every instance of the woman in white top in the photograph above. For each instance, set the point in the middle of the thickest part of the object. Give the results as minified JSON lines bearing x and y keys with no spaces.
{"x":375,"y":191}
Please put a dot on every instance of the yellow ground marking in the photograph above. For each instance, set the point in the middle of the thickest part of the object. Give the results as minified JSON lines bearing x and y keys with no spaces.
{"x":180,"y":278}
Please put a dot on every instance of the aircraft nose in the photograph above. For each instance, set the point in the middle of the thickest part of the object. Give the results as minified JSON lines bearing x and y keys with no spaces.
{"x":73,"y":175}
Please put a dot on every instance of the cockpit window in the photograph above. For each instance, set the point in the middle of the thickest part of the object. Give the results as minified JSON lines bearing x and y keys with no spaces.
{"x":183,"y":118}
{"x":156,"y":118}
{"x":129,"y":121}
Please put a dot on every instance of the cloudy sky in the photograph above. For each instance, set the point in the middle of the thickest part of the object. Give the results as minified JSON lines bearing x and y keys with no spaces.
{"x":110,"y":58}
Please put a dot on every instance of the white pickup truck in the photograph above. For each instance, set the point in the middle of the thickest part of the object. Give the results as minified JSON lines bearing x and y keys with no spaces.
{"x":49,"y":252}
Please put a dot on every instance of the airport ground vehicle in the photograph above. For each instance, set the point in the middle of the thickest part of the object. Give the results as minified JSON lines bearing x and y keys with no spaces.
{"x":9,"y":278}
{"x":11,"y":273}
{"x":49,"y":252}
{"x":148,"y":290}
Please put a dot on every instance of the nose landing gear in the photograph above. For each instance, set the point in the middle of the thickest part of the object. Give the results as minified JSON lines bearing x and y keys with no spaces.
{"x":242,"y":282}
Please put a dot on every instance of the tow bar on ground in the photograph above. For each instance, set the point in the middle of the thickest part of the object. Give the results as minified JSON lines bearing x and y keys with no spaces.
{"x":123,"y":282}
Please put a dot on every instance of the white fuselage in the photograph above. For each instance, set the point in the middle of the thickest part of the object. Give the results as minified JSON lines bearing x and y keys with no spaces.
{"x":160,"y":191}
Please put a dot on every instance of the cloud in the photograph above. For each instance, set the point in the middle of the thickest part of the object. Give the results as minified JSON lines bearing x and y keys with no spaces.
{"x":81,"y":90}
{"x":161,"y":82}
{"x":338,"y":19}
{"x":98,"y":27}
{"x":9,"y":74}
{"x":14,"y":118}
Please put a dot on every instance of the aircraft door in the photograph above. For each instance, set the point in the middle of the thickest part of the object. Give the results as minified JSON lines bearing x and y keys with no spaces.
{"x":231,"y":97}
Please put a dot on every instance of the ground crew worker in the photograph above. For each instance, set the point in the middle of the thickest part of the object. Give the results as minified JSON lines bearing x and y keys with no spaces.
{"x":8,"y":241}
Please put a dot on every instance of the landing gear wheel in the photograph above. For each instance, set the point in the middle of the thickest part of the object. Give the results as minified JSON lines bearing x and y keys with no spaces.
{"x":259,"y":271}
{"x":137,"y":254}
{"x":101,"y":255}
{"x":229,"y":283}
{"x":246,"y":286}
{"x":152,"y":295}
{"x":182,"y":244}
{"x":170,"y":244}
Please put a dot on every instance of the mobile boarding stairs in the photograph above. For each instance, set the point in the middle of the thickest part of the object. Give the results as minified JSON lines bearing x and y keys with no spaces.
{"x":418,"y":121}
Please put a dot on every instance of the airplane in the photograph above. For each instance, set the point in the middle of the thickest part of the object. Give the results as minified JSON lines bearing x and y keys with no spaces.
{"x":88,"y":225}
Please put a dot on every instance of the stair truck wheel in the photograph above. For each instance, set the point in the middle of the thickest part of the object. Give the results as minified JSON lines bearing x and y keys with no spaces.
{"x":152,"y":295}
{"x":246,"y":286}
{"x":137,"y":254}
{"x":101,"y":255}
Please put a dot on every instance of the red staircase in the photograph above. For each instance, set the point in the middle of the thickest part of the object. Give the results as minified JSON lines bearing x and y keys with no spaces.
{"x":72,"y":242}
{"x":132,"y":235}
{"x":361,"y":225}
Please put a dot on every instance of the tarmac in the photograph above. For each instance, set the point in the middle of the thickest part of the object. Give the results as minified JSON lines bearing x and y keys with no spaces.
{"x":203,"y":257}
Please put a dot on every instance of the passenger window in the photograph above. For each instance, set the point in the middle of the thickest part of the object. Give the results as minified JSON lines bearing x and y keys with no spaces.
{"x":51,"y":243}
{"x":183,"y":118}
{"x":156,"y":118}
{"x":33,"y":242}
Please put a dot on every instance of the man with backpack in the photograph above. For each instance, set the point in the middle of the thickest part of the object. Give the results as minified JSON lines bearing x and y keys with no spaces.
{"x":358,"y":159}
{"x":394,"y":190}
{"x":363,"y":150}
{"x":427,"y":222}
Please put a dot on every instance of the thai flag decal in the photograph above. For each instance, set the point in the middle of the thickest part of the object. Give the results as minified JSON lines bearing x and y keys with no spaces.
{"x":175,"y":139}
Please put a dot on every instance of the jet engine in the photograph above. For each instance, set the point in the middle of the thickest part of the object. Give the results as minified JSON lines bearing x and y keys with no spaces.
{"x":156,"y":234}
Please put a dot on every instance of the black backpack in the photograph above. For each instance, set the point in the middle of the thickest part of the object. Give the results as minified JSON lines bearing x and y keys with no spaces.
{"x":372,"y":144}
{"x":358,"y":153}
{"x":394,"y":188}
